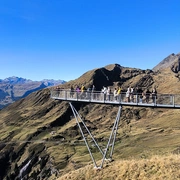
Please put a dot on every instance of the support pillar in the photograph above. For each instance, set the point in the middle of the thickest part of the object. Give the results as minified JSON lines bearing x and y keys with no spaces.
{"x":111,"y":141}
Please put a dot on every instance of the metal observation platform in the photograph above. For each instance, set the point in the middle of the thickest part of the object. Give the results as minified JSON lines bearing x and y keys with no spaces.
{"x":149,"y":101}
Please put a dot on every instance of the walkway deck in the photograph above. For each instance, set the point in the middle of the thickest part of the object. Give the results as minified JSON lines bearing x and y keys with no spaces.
{"x":162,"y":100}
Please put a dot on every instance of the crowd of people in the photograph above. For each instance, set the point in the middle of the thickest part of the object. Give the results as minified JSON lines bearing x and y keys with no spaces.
{"x":131,"y":94}
{"x":136,"y":94}
{"x":140,"y":96}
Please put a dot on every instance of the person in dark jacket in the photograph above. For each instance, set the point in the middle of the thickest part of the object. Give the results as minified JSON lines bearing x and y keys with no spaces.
{"x":148,"y":93}
{"x":139,"y":93}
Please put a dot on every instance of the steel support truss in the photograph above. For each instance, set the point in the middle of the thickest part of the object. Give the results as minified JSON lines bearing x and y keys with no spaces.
{"x":110,"y":143}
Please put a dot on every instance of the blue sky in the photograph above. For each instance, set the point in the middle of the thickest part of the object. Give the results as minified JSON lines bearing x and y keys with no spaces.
{"x":62,"y":39}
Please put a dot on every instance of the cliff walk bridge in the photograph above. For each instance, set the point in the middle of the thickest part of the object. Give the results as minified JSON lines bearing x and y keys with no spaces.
{"x":135,"y":100}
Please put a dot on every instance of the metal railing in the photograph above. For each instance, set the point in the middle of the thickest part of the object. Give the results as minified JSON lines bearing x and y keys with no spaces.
{"x":160,"y":100}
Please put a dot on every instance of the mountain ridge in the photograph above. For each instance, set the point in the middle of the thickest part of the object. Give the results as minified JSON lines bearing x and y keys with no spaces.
{"x":169,"y":61}
{"x":16,"y":79}
{"x":14,"y":88}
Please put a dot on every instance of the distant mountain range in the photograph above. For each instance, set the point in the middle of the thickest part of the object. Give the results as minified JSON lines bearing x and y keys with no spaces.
{"x":14,"y":88}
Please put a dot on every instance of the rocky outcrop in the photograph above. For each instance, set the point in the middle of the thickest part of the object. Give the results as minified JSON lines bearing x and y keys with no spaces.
{"x":167,"y":62}
{"x":176,"y":66}
{"x":170,"y":61}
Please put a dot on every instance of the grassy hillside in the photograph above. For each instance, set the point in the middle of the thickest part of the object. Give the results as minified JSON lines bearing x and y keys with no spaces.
{"x":42,"y":133}
{"x":156,"y":167}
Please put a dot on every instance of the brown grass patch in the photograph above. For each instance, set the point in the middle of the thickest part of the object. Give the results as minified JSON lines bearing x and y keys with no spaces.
{"x":155,"y":168}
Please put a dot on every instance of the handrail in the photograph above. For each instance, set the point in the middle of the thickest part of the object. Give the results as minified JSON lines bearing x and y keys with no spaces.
{"x":159,"y":100}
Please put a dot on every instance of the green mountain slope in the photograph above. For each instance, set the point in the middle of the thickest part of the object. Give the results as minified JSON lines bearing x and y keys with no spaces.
{"x":41,"y":140}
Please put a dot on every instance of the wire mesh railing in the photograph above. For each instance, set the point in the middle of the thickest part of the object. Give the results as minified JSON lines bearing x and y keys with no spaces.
{"x":159,"y":100}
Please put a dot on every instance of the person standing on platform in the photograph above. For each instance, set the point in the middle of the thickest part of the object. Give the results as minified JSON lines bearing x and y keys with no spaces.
{"x":88,"y":93}
{"x":119,"y":93}
{"x":93,"y":92}
{"x":154,"y":95}
{"x":71,"y":92}
{"x":115,"y":94}
{"x":131,"y":94}
{"x":109,"y":93}
{"x":82,"y":95}
{"x":148,"y":93}
{"x":128,"y":95}
{"x":104,"y":93}
{"x":139,"y":93}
